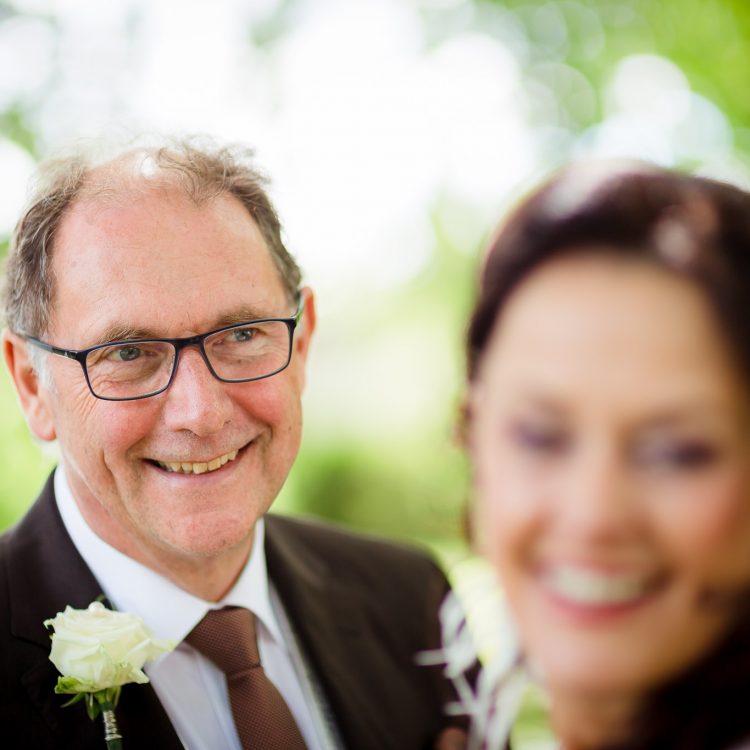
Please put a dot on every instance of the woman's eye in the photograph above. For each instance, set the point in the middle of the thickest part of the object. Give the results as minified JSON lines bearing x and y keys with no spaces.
{"x":687,"y":455}
{"x":538,"y":438}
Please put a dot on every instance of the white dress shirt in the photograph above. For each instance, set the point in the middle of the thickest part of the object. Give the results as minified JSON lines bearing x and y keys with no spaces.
{"x":192,"y":690}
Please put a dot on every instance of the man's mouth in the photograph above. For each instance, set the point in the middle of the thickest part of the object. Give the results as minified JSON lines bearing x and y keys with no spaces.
{"x":197,"y":467}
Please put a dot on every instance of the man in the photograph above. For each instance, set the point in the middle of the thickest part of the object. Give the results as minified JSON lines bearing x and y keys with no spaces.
{"x":160,"y":281}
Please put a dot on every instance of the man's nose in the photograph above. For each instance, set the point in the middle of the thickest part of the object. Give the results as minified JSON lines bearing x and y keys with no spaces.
{"x":196,"y":400}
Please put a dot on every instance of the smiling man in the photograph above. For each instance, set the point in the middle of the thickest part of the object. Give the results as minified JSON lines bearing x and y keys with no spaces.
{"x":159,"y":332}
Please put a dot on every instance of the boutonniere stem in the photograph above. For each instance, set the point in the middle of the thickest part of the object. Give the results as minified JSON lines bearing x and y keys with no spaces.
{"x":111,"y":734}
{"x":101,"y":701}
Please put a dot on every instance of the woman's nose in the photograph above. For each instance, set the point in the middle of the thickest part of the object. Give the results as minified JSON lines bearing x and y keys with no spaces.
{"x":597,"y":501}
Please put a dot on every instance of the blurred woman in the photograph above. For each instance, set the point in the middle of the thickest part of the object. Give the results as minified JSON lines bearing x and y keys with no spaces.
{"x":608,"y":422}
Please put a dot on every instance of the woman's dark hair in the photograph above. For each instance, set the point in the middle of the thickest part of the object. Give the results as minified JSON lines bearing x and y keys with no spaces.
{"x":699,"y":229}
{"x":704,"y":708}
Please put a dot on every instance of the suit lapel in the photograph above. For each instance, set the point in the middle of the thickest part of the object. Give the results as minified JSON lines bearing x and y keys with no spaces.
{"x":327,"y":619}
{"x":46,"y":573}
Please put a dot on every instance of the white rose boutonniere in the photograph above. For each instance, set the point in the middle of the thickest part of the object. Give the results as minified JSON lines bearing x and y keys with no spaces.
{"x":97,"y":651}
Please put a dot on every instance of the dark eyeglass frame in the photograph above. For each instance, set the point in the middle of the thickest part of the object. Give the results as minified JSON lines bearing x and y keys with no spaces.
{"x":80,"y":355}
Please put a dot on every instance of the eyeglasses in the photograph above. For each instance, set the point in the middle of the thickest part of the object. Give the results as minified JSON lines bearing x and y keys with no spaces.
{"x":138,"y":368}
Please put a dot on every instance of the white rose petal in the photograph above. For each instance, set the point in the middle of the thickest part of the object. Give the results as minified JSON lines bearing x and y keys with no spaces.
{"x":100,"y":648}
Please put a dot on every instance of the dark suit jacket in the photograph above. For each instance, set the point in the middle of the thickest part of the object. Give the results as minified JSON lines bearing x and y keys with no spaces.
{"x":361,"y":610}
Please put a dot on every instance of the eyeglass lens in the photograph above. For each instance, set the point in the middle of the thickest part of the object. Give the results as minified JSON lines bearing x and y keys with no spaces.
{"x":242,"y":352}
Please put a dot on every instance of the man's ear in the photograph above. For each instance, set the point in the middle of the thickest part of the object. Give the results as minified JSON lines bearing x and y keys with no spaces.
{"x":306,"y":326}
{"x":32,"y":395}
{"x":302,"y":337}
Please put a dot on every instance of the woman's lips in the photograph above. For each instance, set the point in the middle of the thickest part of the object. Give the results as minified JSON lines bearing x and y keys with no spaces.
{"x":591,"y":587}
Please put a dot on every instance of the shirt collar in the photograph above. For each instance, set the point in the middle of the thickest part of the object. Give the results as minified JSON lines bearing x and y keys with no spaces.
{"x":169,"y":611}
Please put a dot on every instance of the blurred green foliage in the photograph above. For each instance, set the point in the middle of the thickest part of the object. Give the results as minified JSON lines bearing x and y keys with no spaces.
{"x":709,"y":42}
{"x":24,"y":465}
{"x":412,"y":485}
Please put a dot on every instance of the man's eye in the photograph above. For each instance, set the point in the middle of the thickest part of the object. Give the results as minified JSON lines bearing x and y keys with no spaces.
{"x":241,"y":335}
{"x":124,"y":354}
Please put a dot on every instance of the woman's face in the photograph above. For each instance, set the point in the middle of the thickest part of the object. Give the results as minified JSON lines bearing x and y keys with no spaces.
{"x":612,"y":458}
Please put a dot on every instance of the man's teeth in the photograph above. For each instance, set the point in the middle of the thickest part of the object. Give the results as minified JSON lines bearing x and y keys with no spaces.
{"x":186,"y":467}
{"x":586,"y":586}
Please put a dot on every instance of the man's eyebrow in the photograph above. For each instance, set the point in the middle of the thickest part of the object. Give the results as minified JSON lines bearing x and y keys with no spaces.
{"x":120,"y":332}
{"x":244,"y":314}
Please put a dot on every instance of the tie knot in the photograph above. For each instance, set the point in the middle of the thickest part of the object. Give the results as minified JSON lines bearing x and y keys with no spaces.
{"x":227,"y":637}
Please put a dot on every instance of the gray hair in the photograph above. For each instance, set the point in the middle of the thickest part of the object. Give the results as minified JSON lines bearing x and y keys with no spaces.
{"x":38,"y":361}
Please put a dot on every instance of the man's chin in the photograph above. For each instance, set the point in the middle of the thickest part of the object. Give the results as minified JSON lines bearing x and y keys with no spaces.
{"x":205,"y":540}
{"x":236,"y":539}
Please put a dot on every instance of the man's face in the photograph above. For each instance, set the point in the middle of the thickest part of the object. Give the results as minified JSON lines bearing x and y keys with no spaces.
{"x":158,"y":265}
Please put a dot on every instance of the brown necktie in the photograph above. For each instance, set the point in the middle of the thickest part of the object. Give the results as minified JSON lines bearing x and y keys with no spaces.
{"x":263,"y":719}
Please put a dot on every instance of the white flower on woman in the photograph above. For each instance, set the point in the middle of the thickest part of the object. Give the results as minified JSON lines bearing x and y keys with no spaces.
{"x":476,"y":628}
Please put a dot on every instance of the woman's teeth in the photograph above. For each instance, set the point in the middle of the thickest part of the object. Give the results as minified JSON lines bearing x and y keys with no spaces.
{"x":587,"y":586}
{"x":199,"y":467}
